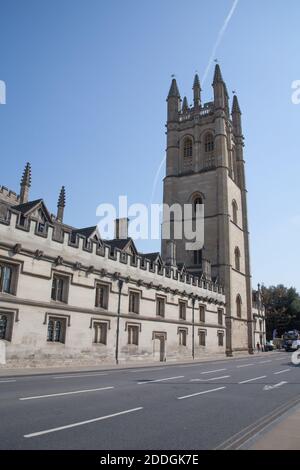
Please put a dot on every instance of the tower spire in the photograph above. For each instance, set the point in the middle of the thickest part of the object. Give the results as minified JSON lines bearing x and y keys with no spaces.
{"x":25,"y":184}
{"x":236,"y":116}
{"x":185,"y":105}
{"x":173,"y":101}
{"x":61,"y":204}
{"x":220,"y":91}
{"x":197,"y":91}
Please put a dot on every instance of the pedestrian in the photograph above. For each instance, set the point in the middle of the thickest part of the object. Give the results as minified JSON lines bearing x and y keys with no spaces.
{"x":258,"y":347}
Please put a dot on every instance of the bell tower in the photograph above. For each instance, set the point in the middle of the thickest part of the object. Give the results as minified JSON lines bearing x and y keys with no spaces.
{"x":205,"y":165}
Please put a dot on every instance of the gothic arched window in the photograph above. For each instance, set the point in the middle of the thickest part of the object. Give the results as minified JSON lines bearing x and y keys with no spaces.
{"x":209,"y":142}
{"x":238,"y":306}
{"x":234,"y":211}
{"x":197,"y":202}
{"x":188,"y":148}
{"x":237,"y":257}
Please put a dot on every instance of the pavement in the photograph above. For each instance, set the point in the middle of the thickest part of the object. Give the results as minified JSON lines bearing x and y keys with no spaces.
{"x":233,"y":403}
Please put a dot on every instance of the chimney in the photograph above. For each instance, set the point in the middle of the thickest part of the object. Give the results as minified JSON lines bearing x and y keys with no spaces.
{"x":121,"y":228}
{"x":171,"y":253}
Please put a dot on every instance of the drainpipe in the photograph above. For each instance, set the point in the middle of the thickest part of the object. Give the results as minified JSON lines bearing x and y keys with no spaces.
{"x":120,"y":285}
{"x":193,"y":327}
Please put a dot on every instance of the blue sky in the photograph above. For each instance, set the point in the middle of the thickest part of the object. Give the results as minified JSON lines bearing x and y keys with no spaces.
{"x":86,"y":89}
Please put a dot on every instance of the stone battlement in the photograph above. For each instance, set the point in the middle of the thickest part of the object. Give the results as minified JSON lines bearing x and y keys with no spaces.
{"x":9,"y":196}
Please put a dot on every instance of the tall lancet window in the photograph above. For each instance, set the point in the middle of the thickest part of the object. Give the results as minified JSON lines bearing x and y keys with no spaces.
{"x":209,"y":142}
{"x":238,"y":306}
{"x":188,"y":148}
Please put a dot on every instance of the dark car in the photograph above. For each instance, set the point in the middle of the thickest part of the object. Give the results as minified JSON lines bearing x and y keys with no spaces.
{"x":269,"y":346}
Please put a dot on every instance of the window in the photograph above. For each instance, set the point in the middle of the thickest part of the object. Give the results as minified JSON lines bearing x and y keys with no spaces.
{"x":188,"y":148}
{"x":182,"y":337}
{"x":100,"y":332}
{"x":133,"y":334}
{"x":239,"y":306}
{"x":102,"y":293}
{"x":209,"y":142}
{"x":160,"y":306}
{"x":202,"y":313}
{"x":220,"y":316}
{"x":182,"y":310}
{"x":220,"y":338}
{"x":6,"y":278}
{"x":198,"y":257}
{"x":134,"y":302}
{"x":42,"y":221}
{"x":202,"y":338}
{"x":59,"y":288}
{"x":6,"y":321}
{"x":237,"y":257}
{"x":260,"y":325}
{"x":234,"y":211}
{"x":56,"y":330}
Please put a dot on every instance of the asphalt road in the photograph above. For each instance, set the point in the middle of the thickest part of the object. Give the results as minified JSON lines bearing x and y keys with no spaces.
{"x":192,"y":406}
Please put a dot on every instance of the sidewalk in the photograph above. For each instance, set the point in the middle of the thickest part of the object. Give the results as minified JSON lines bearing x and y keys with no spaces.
{"x":14,"y":371}
{"x":283,"y":435}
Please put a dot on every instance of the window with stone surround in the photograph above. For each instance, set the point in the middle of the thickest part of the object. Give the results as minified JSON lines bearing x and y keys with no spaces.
{"x":60,"y":287}
{"x":134,"y":302}
{"x":234,"y":211}
{"x":133,"y":334}
{"x":220,"y":316}
{"x":160,"y":306}
{"x":56,"y":329}
{"x":100,"y":332}
{"x":220,"y":338}
{"x":8,"y":277}
{"x":182,"y":334}
{"x":202,"y":313}
{"x":6,"y":325}
{"x":202,"y":337}
{"x":102,"y":295}
{"x":182,"y":310}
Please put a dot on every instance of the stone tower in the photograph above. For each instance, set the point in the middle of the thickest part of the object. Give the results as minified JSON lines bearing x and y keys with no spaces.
{"x":205,"y":164}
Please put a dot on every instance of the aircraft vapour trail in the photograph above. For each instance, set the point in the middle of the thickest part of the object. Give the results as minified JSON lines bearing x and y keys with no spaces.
{"x":212,"y":57}
{"x":219,"y":38}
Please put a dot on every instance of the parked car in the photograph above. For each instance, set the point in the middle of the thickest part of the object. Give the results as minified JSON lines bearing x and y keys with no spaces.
{"x":295,"y":344}
{"x":269,"y":346}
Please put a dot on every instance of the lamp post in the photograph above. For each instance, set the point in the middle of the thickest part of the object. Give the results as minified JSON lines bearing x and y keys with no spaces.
{"x":193,"y":327}
{"x":120,"y":285}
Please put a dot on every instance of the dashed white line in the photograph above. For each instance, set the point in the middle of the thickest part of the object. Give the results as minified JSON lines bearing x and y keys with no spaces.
{"x":160,"y":380}
{"x":270,"y":387}
{"x":201,"y":393}
{"x":264,"y":362}
{"x":212,"y":371}
{"x":66,"y":393}
{"x":252,"y":380}
{"x":212,"y":378}
{"x":244,"y":365}
{"x":81,"y":423}
{"x":76,"y":375}
{"x":282,"y":371}
{"x":6,"y":381}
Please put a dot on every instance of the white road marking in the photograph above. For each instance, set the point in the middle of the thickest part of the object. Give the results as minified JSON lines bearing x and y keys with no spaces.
{"x":212,"y":371}
{"x":201,"y":393}
{"x":66,"y":393}
{"x":252,"y":380}
{"x":264,"y":362}
{"x":81,"y":423}
{"x":279,"y":359}
{"x":77,"y":375}
{"x":212,"y":378}
{"x":6,"y":381}
{"x":281,"y":371}
{"x":244,"y":365}
{"x":270,"y":387}
{"x":160,"y":380}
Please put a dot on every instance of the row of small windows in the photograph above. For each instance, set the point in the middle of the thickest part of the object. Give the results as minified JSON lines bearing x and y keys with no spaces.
{"x":56,"y":332}
{"x":188,"y":145}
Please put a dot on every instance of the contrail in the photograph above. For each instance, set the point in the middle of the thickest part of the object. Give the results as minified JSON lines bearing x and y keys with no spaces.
{"x":212,"y":57}
{"x":219,"y":38}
